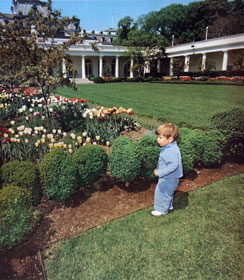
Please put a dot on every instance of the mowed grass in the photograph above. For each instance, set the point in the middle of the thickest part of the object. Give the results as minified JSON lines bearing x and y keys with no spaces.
{"x":193,"y":104}
{"x":201,"y":240}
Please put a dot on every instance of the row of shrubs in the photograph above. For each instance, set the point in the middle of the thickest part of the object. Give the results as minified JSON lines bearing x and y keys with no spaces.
{"x":201,"y":80}
{"x":59,"y":174}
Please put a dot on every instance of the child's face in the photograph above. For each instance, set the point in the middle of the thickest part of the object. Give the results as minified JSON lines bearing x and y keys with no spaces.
{"x":163,"y":141}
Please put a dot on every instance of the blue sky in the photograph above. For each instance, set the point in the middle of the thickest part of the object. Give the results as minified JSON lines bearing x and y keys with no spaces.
{"x":102,"y":14}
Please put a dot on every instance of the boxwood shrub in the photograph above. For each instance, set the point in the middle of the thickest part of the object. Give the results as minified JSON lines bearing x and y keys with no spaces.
{"x":231,"y":124}
{"x":90,"y":162}
{"x":15,"y":215}
{"x":23,"y":174}
{"x":125,"y":159}
{"x":150,"y":151}
{"x":58,"y":175}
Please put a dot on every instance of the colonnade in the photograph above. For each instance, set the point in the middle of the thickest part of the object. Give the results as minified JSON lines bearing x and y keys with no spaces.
{"x":100,"y":61}
{"x":203,"y":63}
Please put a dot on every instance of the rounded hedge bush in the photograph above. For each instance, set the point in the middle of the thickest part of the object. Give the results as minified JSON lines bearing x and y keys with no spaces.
{"x":187,"y":155}
{"x":23,"y":174}
{"x":231,"y":124}
{"x":90,"y":162}
{"x":58,"y":175}
{"x":125,"y":159}
{"x":15,"y":216}
{"x":150,"y":151}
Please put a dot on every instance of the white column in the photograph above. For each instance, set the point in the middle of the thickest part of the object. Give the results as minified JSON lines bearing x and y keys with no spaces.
{"x":187,"y":63}
{"x":83,"y":67}
{"x":225,"y":61}
{"x":171,"y":67}
{"x":131,"y":65}
{"x":204,"y":58}
{"x":100,"y":65}
{"x":117,"y":67}
{"x":64,"y":69}
{"x":158,"y":66}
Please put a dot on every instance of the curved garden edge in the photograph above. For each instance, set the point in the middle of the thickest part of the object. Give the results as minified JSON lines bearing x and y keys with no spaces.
{"x":105,"y":200}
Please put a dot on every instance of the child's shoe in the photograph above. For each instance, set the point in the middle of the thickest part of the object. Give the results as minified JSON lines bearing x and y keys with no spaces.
{"x":157,"y":213}
{"x":171,"y":208}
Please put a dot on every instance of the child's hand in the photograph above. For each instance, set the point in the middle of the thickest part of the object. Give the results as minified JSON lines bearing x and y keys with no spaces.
{"x":155,"y":172}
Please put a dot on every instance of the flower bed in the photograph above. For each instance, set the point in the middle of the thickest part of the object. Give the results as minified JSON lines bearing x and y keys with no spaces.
{"x":31,"y":126}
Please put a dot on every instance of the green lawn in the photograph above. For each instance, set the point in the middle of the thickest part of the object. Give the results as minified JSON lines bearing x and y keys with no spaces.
{"x":201,"y":240}
{"x":192,"y":104}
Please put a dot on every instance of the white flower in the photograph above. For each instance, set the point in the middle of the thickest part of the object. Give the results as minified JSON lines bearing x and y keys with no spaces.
{"x":44,"y":130}
{"x":27,"y":118}
{"x":50,"y":110}
{"x":64,"y":134}
{"x":107,"y":143}
{"x":39,"y":105}
{"x":88,"y":140}
{"x":97,"y":138}
{"x":26,"y":141}
{"x":36,"y":132}
{"x":21,"y":133}
{"x":59,"y":131}
{"x":12,"y":122}
{"x":20,"y":128}
{"x":72,"y":135}
{"x":54,"y":131}
{"x":84,"y":134}
{"x":30,"y":109}
{"x":43,"y":118}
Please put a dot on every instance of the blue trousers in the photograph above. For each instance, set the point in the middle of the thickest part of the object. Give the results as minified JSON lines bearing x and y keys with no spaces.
{"x":163,"y":195}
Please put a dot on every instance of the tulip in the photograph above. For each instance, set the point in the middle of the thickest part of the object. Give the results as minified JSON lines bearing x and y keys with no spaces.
{"x":107,"y":143}
{"x":84,"y":134}
{"x":88,"y":140}
{"x":5,"y":135}
{"x":26,"y":141}
{"x":70,"y":151}
{"x":12,"y":122}
{"x":43,"y":141}
{"x":70,"y":146}
{"x":97,"y":138}
{"x":18,"y":140}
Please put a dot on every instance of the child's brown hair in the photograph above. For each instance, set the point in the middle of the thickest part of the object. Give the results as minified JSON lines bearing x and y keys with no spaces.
{"x":168,"y":130}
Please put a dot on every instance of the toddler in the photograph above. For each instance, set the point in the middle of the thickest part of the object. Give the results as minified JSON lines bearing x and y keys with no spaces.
{"x":169,"y":168}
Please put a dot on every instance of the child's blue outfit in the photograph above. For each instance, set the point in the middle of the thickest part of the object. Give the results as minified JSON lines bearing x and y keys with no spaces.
{"x":169,"y":171}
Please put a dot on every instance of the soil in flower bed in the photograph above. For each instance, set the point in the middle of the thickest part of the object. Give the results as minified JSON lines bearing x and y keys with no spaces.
{"x":103,"y":201}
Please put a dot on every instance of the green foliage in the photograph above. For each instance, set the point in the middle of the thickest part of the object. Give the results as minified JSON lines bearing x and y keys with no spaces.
{"x":200,"y":148}
{"x":99,"y":80}
{"x":231,"y":123}
{"x":187,"y":155}
{"x":15,"y":216}
{"x":90,"y":162}
{"x":125,"y":159}
{"x":58,"y":175}
{"x":150,"y":151}
{"x":23,"y":174}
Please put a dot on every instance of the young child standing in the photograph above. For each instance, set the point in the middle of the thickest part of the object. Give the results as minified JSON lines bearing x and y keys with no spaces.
{"x":169,"y":168}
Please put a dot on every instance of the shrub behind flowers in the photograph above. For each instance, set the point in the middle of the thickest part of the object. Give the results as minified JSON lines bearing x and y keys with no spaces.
{"x":58,"y":175}
{"x":90,"y":162}
{"x":23,"y":174}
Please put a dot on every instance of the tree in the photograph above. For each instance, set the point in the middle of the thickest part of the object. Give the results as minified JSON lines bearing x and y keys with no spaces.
{"x":239,"y":60}
{"x":125,"y":25}
{"x":144,"y":48}
{"x":28,"y":52}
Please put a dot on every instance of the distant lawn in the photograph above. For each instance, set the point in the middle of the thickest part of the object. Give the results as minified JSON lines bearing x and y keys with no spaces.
{"x":192,"y":104}
{"x":201,"y":240}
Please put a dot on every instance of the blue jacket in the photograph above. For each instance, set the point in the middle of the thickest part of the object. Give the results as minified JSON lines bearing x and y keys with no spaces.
{"x":169,"y":162}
